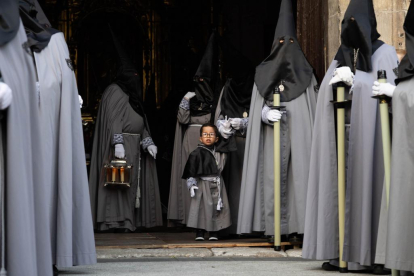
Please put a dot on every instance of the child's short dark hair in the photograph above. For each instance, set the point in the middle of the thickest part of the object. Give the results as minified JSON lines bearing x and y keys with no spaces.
{"x":209,"y":125}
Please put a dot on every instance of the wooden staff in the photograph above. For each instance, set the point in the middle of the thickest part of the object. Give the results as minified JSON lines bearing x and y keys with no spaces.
{"x":386,"y":140}
{"x":340,"y":115}
{"x":2,"y":206}
{"x":386,"y":133}
{"x":276,"y":161}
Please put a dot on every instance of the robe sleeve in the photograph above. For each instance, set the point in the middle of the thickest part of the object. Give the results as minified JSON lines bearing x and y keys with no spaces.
{"x":183,"y":115}
{"x":191,"y":181}
{"x":117,"y":137}
{"x":244,"y":125}
{"x":146,"y":140}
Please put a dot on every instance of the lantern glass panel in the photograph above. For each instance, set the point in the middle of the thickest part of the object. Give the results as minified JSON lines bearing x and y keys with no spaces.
{"x":117,"y":174}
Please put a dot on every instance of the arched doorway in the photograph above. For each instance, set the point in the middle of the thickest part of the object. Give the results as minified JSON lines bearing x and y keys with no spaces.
{"x":165,"y":40}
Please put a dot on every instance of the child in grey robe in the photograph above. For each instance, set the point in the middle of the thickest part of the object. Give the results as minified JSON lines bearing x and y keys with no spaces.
{"x":209,"y":207}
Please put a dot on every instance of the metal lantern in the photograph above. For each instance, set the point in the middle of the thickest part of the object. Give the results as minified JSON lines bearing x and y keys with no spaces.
{"x":118,"y":174}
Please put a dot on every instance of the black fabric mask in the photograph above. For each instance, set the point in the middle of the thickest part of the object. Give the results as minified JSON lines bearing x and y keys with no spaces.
{"x":237,"y":92}
{"x":406,"y":68}
{"x":9,"y":20}
{"x":128,"y":79}
{"x":207,"y":83}
{"x":237,"y":96}
{"x":286,"y":64}
{"x":130,"y":83}
{"x":37,"y":27}
{"x":202,"y":103}
{"x":359,"y":31}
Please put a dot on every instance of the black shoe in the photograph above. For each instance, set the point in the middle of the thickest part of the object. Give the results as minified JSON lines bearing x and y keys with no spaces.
{"x":295,"y":238}
{"x":380,"y":270}
{"x":199,"y":235}
{"x":328,"y":267}
{"x":213,"y":236}
{"x":55,"y":271}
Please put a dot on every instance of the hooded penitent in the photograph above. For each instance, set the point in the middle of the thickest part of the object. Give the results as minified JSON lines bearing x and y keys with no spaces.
{"x":121,"y":120}
{"x":359,"y":36}
{"x":364,"y":155}
{"x":237,"y":92}
{"x":396,"y":224}
{"x":25,"y":243}
{"x":285,"y":65}
{"x":207,"y":83}
{"x":191,"y":115}
{"x":37,"y":26}
{"x":406,"y":68}
{"x":235,"y":103}
{"x":63,"y":161}
{"x":128,"y":78}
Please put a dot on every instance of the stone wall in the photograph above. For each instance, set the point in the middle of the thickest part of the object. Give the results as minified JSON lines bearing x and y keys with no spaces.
{"x":390,"y":18}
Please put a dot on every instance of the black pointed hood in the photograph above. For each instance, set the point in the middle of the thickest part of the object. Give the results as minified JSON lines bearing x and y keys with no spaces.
{"x":237,"y":92}
{"x":9,"y":20}
{"x":128,"y":78}
{"x":287,"y":63}
{"x":286,"y":22}
{"x":37,"y":27}
{"x":359,"y":31}
{"x":207,"y":79}
{"x":406,"y":68}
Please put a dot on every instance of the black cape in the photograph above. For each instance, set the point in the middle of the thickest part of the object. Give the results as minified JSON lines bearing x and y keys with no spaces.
{"x":37,"y":27}
{"x":9,"y":15}
{"x":201,"y":162}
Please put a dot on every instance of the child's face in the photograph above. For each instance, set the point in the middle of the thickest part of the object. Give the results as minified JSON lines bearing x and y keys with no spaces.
{"x":208,"y":136}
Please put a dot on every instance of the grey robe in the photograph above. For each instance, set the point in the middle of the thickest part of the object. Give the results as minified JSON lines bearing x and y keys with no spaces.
{"x":28,"y":245}
{"x":232,"y":173}
{"x":187,"y":135}
{"x":64,"y":160}
{"x":203,"y":212}
{"x":118,"y":208}
{"x":399,"y":253}
{"x":257,"y":193}
{"x":364,"y":171}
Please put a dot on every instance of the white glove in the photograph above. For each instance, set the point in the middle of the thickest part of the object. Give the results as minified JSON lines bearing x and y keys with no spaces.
{"x":226,"y":130}
{"x":189,"y":95}
{"x":5,"y":96}
{"x":80,"y":101}
{"x":386,"y":89}
{"x":273,"y":115}
{"x":119,"y":151}
{"x":236,"y":123}
{"x":192,"y":190}
{"x":343,"y":74}
{"x":153,"y":151}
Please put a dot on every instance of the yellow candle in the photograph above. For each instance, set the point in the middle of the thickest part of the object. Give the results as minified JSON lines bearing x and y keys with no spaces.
{"x":113,"y":174}
{"x":122,"y":170}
